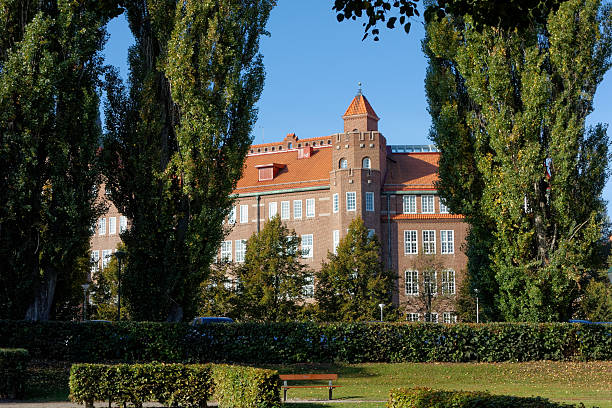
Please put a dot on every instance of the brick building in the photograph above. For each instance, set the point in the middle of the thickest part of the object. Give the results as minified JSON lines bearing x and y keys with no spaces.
{"x":319,"y":185}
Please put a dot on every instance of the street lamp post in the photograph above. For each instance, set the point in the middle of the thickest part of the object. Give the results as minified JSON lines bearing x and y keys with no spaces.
{"x":381,"y":305}
{"x":477,"y":317}
{"x":85,"y":286}
{"x":120,"y":255}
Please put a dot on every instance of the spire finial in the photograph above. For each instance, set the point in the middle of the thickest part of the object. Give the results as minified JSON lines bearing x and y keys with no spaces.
{"x":359,"y":89}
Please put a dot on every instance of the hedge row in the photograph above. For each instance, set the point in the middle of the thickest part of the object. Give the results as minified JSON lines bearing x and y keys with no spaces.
{"x":308,"y":342}
{"x":185,"y":385}
{"x":428,"y":398}
{"x":13,"y":364}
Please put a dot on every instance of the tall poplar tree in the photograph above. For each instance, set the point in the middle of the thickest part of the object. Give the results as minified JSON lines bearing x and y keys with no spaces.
{"x":509,"y":110}
{"x":177,"y":140}
{"x":49,"y":136}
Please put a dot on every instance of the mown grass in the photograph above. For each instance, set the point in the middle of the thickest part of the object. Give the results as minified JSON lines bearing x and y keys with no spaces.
{"x":570,"y":382}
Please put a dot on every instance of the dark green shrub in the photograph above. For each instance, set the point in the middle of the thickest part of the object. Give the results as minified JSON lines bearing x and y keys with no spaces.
{"x":267,"y":343}
{"x":428,"y":398}
{"x":185,"y":385}
{"x":170,"y":384}
{"x":13,"y":364}
{"x":245,"y":387}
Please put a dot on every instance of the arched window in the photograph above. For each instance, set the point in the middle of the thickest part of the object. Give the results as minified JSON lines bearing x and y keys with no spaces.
{"x":365,"y":163}
{"x":343,"y":163}
{"x":289,"y":145}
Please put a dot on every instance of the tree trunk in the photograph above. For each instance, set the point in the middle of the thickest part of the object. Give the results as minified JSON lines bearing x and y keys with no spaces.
{"x":40,"y":308}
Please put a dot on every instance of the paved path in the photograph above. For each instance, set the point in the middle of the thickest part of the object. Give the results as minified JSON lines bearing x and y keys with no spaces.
{"x":66,"y":404}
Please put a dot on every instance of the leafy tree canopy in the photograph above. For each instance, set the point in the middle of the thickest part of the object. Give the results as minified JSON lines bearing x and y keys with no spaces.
{"x":353,"y":282}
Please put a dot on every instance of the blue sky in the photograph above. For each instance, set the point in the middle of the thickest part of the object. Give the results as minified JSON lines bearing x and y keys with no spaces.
{"x":313,"y":65}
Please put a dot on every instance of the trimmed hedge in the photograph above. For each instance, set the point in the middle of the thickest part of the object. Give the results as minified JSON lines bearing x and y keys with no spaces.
{"x":186,"y":385}
{"x":264,"y":343}
{"x":428,"y":398}
{"x":13,"y":364}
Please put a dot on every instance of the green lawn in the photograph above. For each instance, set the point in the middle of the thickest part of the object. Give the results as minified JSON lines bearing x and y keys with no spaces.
{"x":572,"y":382}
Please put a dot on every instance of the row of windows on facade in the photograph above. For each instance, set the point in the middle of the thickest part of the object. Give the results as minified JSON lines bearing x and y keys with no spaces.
{"x":366,"y":163}
{"x":427,"y":204}
{"x":448,"y":317}
{"x":429,"y":283}
{"x":95,"y":258}
{"x":447,"y":242}
{"x":227,"y":252}
{"x":112,"y":225}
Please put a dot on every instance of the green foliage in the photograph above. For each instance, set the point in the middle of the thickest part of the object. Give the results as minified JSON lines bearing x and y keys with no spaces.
{"x":170,"y":384}
{"x":426,"y":397}
{"x":354,"y":281}
{"x":509,"y":110}
{"x":506,"y":14}
{"x":13,"y":364}
{"x":49,"y":133}
{"x":308,"y":342}
{"x":177,"y":140}
{"x":272,"y":278}
{"x":104,"y":291}
{"x":245,"y":387}
{"x":596,"y":304}
{"x":218,"y":293}
{"x":182,"y":385}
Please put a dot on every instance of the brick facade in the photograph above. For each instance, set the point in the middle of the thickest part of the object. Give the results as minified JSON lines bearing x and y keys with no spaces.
{"x":359,"y":170}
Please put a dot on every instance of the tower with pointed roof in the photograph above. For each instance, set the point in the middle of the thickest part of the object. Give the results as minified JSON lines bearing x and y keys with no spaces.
{"x":360,"y":115}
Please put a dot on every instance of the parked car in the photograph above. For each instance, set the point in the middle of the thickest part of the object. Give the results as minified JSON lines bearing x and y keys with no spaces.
{"x":588,"y":322}
{"x":210,"y":320}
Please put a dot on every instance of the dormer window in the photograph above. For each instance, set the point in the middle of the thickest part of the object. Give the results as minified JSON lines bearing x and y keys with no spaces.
{"x":343,"y":163}
{"x":365,"y":163}
{"x":268,"y":171}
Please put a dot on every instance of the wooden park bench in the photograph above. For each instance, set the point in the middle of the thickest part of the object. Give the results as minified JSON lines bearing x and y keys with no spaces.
{"x":303,"y":377}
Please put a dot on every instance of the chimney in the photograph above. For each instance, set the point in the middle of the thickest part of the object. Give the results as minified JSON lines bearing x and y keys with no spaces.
{"x":304,"y":152}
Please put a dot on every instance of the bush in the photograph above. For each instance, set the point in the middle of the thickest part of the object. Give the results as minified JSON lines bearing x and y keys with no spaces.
{"x":246,"y":387}
{"x":186,"y":385}
{"x":428,"y":398}
{"x":268,"y":343}
{"x":13,"y":364}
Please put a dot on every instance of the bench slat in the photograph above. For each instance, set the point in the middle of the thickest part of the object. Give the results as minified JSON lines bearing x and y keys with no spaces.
{"x":296,"y":377}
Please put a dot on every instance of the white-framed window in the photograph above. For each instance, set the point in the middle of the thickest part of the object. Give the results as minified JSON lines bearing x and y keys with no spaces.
{"x":409,"y":202}
{"x":95,"y":261}
{"x":412,"y":283}
{"x":307,"y":246}
{"x":351,"y":201}
{"x":427,"y":204}
{"x":272,"y":210}
{"x":226,"y":251}
{"x":335,"y":203}
{"x":106,"y":256}
{"x":447,"y":241}
{"x":244,"y":214}
{"x":443,"y":207}
{"x":412,"y":317}
{"x":285,"y":210}
{"x":369,"y":199}
{"x":343,"y":164}
{"x":410,"y":242}
{"x":336,"y":240}
{"x":429,"y":241}
{"x":365,"y":163}
{"x":310,"y":207}
{"x":112,"y":225}
{"x":431,"y":317}
{"x":448,"y":282}
{"x":449,"y":317}
{"x":102,"y":226}
{"x":240,"y":250}
{"x":297,"y":209}
{"x":122,"y":224}
{"x":430,"y":282}
{"x":308,"y":288}
{"x":231,"y":218}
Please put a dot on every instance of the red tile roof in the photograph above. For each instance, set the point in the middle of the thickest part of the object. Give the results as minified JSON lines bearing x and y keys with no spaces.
{"x":412,"y":171}
{"x":360,"y":106}
{"x":310,"y":172}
